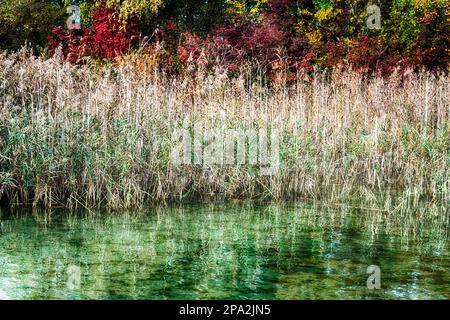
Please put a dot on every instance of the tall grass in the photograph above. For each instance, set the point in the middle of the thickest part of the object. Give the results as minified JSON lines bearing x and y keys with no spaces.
{"x":101,"y":136}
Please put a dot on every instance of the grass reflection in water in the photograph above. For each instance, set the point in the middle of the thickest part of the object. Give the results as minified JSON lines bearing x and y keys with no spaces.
{"x":224,"y":252}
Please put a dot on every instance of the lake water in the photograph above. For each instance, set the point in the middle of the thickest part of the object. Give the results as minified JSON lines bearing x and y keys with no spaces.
{"x":223,"y":252}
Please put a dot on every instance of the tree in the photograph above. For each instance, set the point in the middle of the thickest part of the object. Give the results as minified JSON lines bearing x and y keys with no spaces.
{"x":129,"y":8}
{"x":28,"y":21}
{"x":198,"y":16}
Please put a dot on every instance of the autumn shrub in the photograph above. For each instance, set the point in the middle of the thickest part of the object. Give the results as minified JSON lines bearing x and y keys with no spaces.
{"x":107,"y":38}
{"x":285,"y":37}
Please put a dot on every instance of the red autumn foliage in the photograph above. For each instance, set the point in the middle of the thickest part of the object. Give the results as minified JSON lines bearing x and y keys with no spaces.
{"x":369,"y":54}
{"x":272,"y":42}
{"x":106,"y":39}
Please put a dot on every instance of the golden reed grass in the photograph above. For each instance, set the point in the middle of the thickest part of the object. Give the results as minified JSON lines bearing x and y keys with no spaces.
{"x":101,"y":136}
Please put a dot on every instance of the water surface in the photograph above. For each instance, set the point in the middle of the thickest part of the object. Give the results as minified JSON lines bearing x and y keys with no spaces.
{"x":222,"y":252}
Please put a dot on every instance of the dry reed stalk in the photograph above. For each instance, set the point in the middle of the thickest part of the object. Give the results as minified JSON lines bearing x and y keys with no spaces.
{"x":102,"y":136}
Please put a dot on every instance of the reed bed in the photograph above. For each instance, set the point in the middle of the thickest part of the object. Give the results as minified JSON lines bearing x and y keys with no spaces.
{"x":85,"y":136}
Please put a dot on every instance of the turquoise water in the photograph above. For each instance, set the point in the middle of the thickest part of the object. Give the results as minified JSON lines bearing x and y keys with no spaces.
{"x":222,"y":252}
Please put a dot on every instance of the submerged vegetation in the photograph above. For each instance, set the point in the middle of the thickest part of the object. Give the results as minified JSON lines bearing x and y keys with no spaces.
{"x":90,"y":135}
